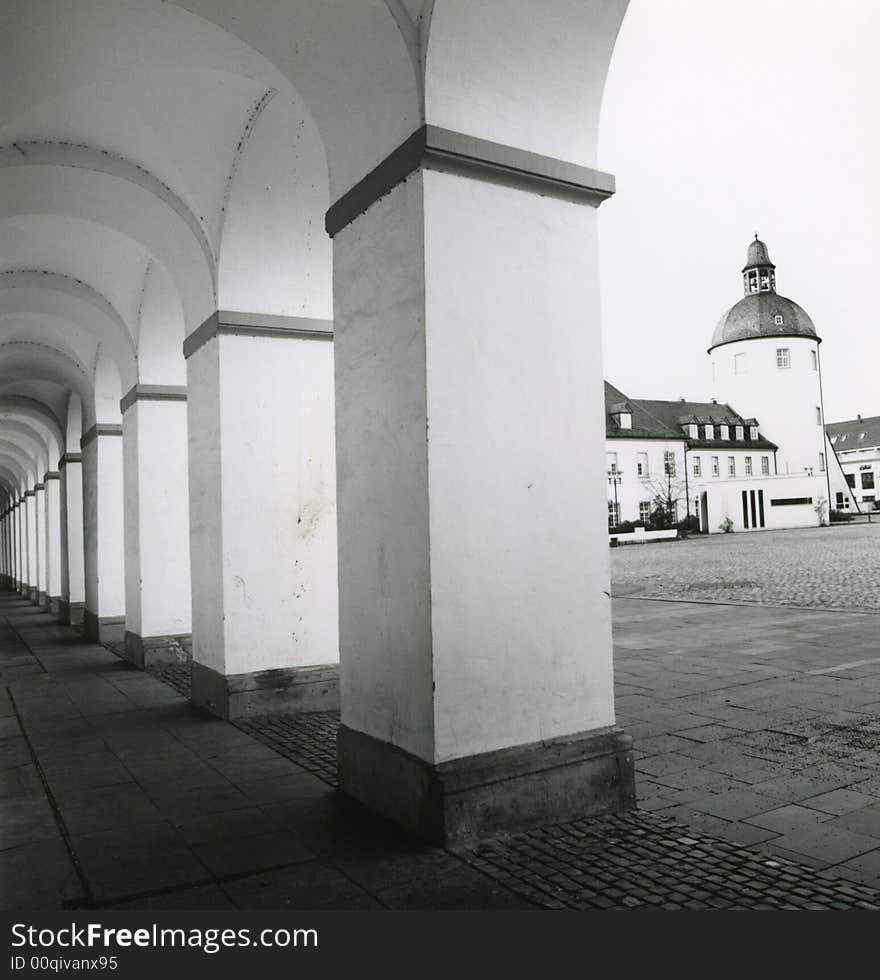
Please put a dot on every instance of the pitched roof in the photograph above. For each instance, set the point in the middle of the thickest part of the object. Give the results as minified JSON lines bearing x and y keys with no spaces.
{"x":853,"y":429}
{"x":644,"y":424}
{"x":674,"y":414}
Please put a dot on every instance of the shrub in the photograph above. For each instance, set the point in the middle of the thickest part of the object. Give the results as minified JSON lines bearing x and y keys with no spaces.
{"x":840,"y":517}
{"x":726,"y":526}
{"x":690,"y":525}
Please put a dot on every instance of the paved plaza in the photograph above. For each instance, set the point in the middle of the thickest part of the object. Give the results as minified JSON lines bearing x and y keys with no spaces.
{"x":757,"y":735}
{"x":825,"y":567}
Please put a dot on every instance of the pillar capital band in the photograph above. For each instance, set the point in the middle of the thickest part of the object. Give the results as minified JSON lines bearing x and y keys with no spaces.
{"x":433,"y":148}
{"x":51,"y":475}
{"x":30,"y":493}
{"x":257,"y":325}
{"x":155,"y":393}
{"x":69,"y":458}
{"x":39,"y":486}
{"x":101,"y":429}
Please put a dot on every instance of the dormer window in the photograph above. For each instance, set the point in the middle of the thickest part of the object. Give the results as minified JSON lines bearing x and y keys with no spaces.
{"x":709,"y":431}
{"x":778,"y":320}
{"x":725,"y":432}
{"x":739,"y":433}
{"x":753,"y":432}
{"x":693,"y":430}
{"x":625,"y":420}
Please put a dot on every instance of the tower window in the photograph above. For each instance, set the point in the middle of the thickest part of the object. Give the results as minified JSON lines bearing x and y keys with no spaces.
{"x":815,"y":357}
{"x":818,"y":415}
{"x":778,"y":320}
{"x":783,"y":357}
{"x":821,"y":462}
{"x":739,"y":363}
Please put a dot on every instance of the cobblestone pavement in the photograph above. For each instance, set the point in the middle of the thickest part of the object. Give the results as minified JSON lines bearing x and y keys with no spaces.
{"x":827,"y":567}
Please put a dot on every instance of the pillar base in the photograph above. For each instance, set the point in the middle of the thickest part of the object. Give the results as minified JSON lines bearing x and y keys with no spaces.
{"x":43,"y":600}
{"x":145,"y":651}
{"x":511,"y":789}
{"x":294,"y":690}
{"x":32,"y":594}
{"x":71,"y":613}
{"x":55,"y":605}
{"x":103,"y":629}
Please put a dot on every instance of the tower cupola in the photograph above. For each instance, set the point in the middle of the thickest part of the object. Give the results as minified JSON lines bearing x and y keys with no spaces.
{"x":759,"y":273}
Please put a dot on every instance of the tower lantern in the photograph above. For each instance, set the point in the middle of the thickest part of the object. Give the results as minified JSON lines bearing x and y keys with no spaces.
{"x":759,"y":273}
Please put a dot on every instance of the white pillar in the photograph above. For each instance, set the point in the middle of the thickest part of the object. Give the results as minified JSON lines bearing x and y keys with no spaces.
{"x":262,"y":514}
{"x":73,"y":595}
{"x":19,"y":554}
{"x":40,"y":513}
{"x":158,"y":600}
{"x":104,"y":614}
{"x":23,"y":545}
{"x":52,"y":482}
{"x":31,"y":532}
{"x":475,"y":618}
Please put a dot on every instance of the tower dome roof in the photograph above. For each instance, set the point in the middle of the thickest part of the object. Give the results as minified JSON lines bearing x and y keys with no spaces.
{"x":757,"y":256}
{"x":758,"y":315}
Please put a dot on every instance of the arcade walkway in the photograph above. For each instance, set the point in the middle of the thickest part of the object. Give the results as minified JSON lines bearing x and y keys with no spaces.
{"x":115,"y":792}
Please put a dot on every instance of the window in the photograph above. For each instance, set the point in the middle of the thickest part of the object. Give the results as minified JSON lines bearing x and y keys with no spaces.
{"x":697,"y":465}
{"x":783,"y":357}
{"x":673,"y":511}
{"x":642,"y":466}
{"x":821,"y":462}
{"x":753,"y":432}
{"x":868,"y":498}
{"x":725,"y":432}
{"x":840,"y":500}
{"x":740,"y":433}
{"x":693,"y":430}
{"x":612,"y":464}
{"x":765,"y":466}
{"x":814,"y":355}
{"x":867,"y":481}
{"x":739,"y":363}
{"x":818,"y":415}
{"x":731,"y":465}
{"x":669,"y":464}
{"x":645,"y":511}
{"x":625,"y":420}
{"x":790,"y":501}
{"x":748,"y":462}
{"x":851,"y":480}
{"x":613,"y":514}
{"x":778,"y":320}
{"x":716,"y":471}
{"x":709,"y":431}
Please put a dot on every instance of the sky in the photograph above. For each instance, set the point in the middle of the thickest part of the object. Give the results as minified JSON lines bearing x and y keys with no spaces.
{"x":724,"y":119}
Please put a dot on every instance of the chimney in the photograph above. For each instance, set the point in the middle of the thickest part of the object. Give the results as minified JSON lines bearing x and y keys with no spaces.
{"x":859,"y":417}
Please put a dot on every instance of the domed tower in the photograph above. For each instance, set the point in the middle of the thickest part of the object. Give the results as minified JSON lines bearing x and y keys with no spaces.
{"x":765,"y":364}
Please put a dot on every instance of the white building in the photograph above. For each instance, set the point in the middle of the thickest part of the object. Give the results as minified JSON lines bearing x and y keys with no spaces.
{"x":856,"y":479}
{"x":708,"y":459}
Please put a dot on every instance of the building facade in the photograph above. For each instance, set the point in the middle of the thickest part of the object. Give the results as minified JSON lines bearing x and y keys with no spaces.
{"x":855,"y":481}
{"x":753,"y":458}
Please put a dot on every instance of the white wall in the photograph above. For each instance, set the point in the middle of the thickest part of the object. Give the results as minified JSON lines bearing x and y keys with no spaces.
{"x":784,"y":401}
{"x":725,"y":500}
